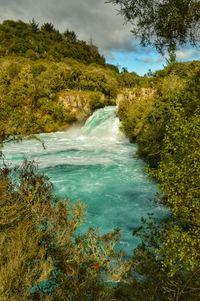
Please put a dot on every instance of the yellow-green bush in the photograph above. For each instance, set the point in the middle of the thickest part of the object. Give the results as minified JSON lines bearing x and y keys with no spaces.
{"x":29,"y":92}
{"x":41,"y":256}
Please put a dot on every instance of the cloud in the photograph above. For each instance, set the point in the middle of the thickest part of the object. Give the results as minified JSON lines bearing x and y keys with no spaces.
{"x":88,"y":18}
{"x":150,"y":59}
{"x":187,"y":54}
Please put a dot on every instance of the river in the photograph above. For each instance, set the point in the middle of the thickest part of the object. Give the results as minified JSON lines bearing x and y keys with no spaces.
{"x":96,"y":164}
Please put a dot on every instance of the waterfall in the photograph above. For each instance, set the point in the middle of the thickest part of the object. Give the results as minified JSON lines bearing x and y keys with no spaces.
{"x":97,"y":165}
{"x":103,"y":124}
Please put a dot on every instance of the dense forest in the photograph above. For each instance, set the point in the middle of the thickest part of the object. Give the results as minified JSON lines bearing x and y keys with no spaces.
{"x":34,"y":42}
{"x":166,"y":126}
{"x":41,"y":255}
{"x":30,"y":85}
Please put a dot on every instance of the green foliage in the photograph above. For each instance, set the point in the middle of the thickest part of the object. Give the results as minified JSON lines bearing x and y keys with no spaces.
{"x":29,"y":93}
{"x":179,"y":176}
{"x":133,"y":111}
{"x":164,"y":24}
{"x":22,"y":101}
{"x":97,"y":102}
{"x":152,"y":134}
{"x":23,"y":258}
{"x":71,"y":35}
{"x":147,"y":113}
{"x":129,"y":80}
{"x":148,"y":280}
{"x":182,"y":70}
{"x":93,"y":78}
{"x":39,"y":244}
{"x":34,"y":26}
{"x":30,"y":40}
{"x":41,"y":255}
{"x":113,"y":67}
{"x":167,"y":130}
{"x":31,"y":78}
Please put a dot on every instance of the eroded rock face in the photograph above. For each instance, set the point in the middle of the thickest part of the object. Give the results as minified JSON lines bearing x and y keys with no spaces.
{"x":75,"y":103}
{"x":130,"y":94}
{"x":80,"y":102}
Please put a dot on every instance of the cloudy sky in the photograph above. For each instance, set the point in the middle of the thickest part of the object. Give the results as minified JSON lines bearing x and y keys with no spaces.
{"x":92,"y":19}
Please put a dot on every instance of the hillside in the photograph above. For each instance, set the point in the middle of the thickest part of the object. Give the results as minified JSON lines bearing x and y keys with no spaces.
{"x":163,"y":117}
{"x":49,"y":80}
{"x":33,"y":41}
{"x":31,"y":93}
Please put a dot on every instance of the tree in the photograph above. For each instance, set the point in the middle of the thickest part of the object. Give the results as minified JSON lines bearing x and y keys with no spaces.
{"x":48,"y":27}
{"x":148,"y":280}
{"x":34,"y":26}
{"x":164,"y":24}
{"x":70,"y":35}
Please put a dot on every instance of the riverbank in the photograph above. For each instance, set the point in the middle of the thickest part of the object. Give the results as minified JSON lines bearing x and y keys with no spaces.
{"x":96,"y":164}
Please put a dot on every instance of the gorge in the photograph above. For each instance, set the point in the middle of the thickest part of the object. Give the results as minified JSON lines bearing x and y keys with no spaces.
{"x":97,"y":165}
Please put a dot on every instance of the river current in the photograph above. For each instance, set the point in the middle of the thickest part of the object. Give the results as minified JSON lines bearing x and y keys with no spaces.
{"x":96,"y":164}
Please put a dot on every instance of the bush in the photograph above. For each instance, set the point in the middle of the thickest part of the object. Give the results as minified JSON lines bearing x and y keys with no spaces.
{"x":40,"y":253}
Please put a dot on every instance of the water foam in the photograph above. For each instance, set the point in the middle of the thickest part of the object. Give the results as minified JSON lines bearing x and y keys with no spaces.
{"x":97,"y":165}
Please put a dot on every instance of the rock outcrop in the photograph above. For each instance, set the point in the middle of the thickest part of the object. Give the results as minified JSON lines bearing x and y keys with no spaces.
{"x":81,"y":103}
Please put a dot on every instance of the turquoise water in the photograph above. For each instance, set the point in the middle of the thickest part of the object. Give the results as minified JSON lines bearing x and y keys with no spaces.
{"x":97,"y":165}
